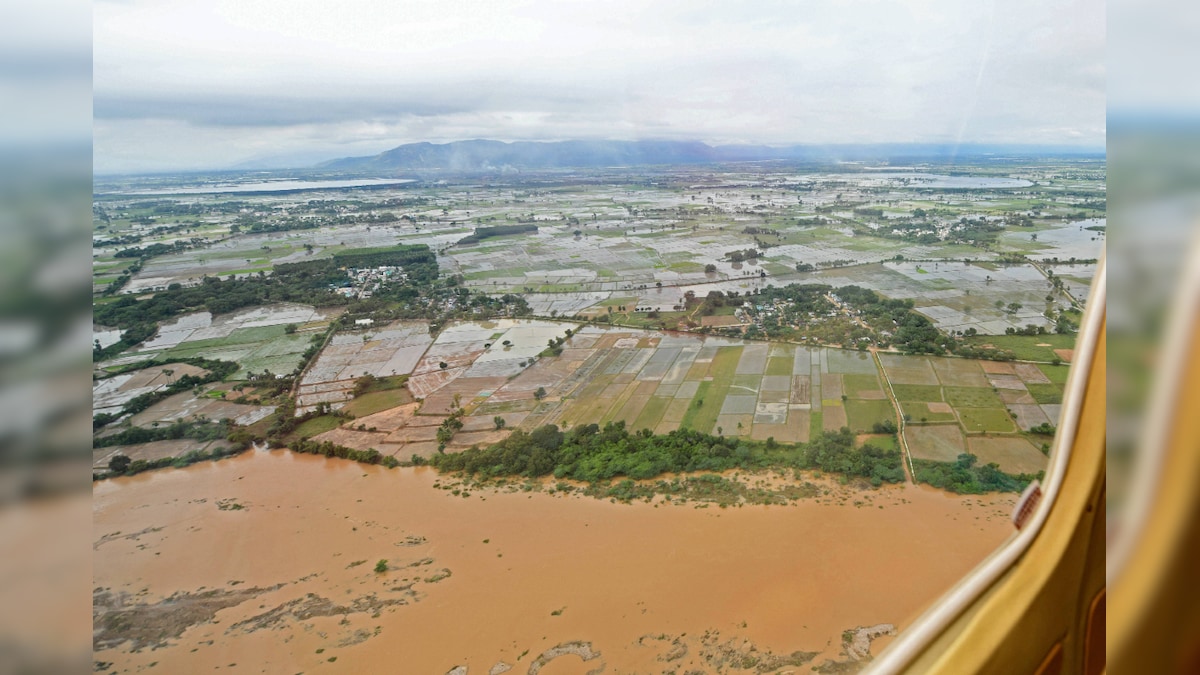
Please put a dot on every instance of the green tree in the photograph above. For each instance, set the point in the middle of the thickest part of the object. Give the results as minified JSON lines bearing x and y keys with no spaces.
{"x":119,"y":464}
{"x":381,"y":566}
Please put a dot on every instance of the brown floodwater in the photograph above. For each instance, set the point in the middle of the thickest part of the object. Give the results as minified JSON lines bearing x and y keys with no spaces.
{"x":265,"y":563}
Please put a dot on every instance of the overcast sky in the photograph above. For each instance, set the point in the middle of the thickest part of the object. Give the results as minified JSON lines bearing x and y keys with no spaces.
{"x":191,"y":84}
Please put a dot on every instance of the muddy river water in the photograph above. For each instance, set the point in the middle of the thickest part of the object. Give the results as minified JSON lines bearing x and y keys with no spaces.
{"x":266,"y":563}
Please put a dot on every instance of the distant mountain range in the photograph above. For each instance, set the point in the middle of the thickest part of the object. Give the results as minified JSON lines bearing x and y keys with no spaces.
{"x":483,"y":155}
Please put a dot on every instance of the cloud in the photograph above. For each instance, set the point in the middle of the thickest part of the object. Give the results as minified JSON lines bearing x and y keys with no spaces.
{"x":370,"y":74}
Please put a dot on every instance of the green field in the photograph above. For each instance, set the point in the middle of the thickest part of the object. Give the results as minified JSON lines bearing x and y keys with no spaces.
{"x":1045,"y":393}
{"x":254,"y":349}
{"x":1057,"y":374}
{"x":853,"y":384}
{"x":702,"y":405}
{"x":862,"y":415}
{"x":1025,"y":347}
{"x":315,"y":426}
{"x":985,"y":419}
{"x":882,"y":441}
{"x":722,"y":370}
{"x":917,"y":392}
{"x":972,"y":397}
{"x":780,"y":365}
{"x":651,"y":413}
{"x":918,"y":411}
{"x":369,"y":404}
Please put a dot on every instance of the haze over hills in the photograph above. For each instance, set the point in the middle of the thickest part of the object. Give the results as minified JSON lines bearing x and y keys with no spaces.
{"x":485,"y":155}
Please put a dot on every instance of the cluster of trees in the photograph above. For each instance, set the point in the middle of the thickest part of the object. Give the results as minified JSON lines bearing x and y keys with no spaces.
{"x":330,"y":449}
{"x":805,"y":310}
{"x":911,"y":332}
{"x":976,"y":232}
{"x":450,"y":426}
{"x":434,"y":302}
{"x":369,"y":383}
{"x":591,"y":453}
{"x":554,"y":346}
{"x":418,"y":261}
{"x":744,"y":254}
{"x":884,"y":427}
{"x":711,"y":302}
{"x":285,"y":420}
{"x":1029,"y":329}
{"x":489,"y":231}
{"x":966,"y":477}
{"x":157,"y":248}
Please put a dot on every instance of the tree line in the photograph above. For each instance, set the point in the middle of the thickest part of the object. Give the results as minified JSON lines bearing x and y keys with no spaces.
{"x":590,"y":453}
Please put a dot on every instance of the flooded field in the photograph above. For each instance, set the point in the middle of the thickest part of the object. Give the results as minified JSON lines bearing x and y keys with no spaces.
{"x":257,"y":339}
{"x":266,"y":563}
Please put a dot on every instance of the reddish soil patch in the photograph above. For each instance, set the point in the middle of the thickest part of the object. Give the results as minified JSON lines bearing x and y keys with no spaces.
{"x":1065,"y":354}
{"x":997,"y":368}
{"x":1010,"y":396}
{"x":1030,"y":373}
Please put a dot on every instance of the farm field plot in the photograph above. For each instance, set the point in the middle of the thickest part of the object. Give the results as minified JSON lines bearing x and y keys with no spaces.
{"x":939,"y":442}
{"x":909,"y":369}
{"x":863,"y":414}
{"x":1014,"y":454}
{"x":1030,"y":347}
{"x":985,"y":420}
{"x":393,"y":349}
{"x":973,"y":399}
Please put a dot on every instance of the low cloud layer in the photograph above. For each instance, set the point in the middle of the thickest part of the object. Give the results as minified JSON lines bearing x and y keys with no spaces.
{"x":188,"y":84}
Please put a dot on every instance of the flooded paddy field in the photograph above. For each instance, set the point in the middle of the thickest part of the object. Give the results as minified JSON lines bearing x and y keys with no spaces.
{"x":257,"y":339}
{"x":288,"y":582}
{"x":605,"y":232}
